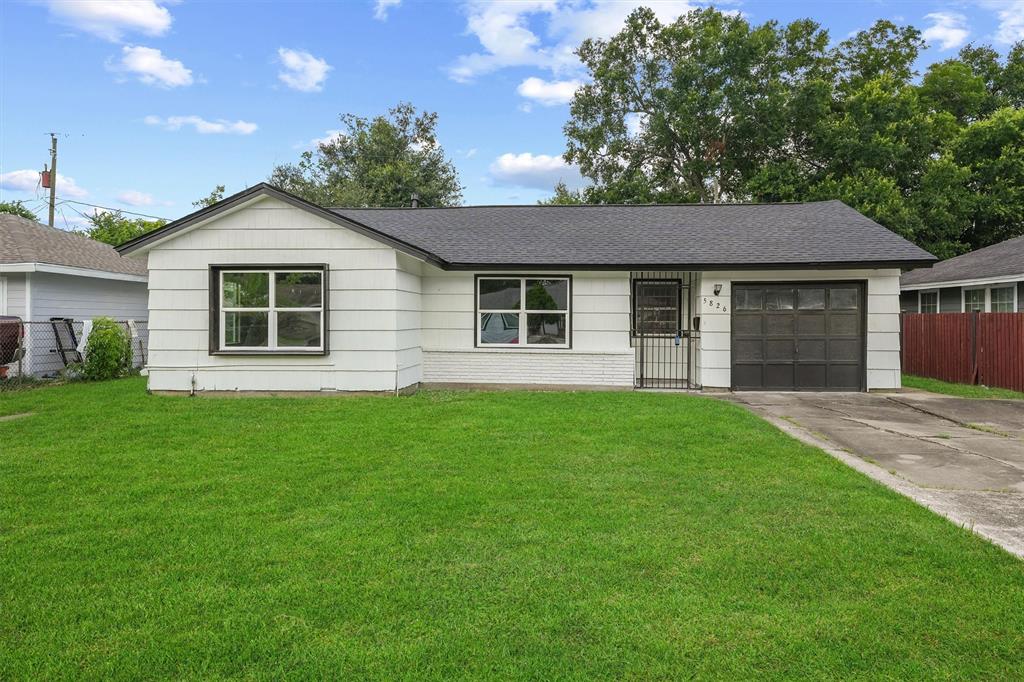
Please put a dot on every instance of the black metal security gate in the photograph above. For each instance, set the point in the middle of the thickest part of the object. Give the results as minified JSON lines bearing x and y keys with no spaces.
{"x":664,"y":331}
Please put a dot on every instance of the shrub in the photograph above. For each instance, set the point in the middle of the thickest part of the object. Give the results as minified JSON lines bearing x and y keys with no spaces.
{"x":108,"y":351}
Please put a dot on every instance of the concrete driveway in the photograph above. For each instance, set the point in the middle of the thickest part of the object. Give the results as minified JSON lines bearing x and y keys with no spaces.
{"x":961,"y":458}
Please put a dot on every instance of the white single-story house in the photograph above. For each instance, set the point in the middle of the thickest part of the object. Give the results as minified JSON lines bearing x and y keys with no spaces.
{"x":264,"y":291}
{"x":989,"y":280}
{"x":48,"y":273}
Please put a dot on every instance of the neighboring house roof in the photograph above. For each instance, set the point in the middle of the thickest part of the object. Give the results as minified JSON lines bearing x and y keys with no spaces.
{"x":1002,"y":260}
{"x":703,"y":236}
{"x":27,"y":241}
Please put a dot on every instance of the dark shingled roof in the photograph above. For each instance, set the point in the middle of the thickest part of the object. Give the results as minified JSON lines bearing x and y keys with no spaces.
{"x":700,"y":235}
{"x":27,"y":241}
{"x":999,"y":260}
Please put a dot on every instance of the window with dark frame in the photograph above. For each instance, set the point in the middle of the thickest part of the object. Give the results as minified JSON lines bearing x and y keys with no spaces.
{"x":523,"y":311}
{"x":268,"y":309}
{"x":657,"y":306}
{"x":929,"y":301}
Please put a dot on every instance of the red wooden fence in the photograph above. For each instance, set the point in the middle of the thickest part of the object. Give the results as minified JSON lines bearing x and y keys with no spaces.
{"x":965,"y":348}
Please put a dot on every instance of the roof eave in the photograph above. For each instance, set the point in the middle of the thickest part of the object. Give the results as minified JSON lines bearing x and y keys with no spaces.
{"x":697,"y":267}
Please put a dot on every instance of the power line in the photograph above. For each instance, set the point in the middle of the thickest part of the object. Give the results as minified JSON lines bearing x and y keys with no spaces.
{"x":108,"y":208}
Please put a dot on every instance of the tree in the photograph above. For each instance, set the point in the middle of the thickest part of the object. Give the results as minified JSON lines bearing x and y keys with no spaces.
{"x":212,"y":198}
{"x":885,"y":49}
{"x":689,"y":110}
{"x":17,"y":208}
{"x":564,"y":196}
{"x":381,"y":161}
{"x":112,"y":227}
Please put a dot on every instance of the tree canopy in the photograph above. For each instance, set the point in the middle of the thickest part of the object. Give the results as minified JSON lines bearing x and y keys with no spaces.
{"x":713,"y":108}
{"x":113,"y":227}
{"x":381,"y":161}
{"x":17,"y":208}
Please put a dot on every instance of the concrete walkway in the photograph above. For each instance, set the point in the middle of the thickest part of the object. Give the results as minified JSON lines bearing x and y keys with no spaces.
{"x":961,"y":458}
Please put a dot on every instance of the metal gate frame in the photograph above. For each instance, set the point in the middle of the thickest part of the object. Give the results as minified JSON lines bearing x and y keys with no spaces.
{"x":671,"y":355}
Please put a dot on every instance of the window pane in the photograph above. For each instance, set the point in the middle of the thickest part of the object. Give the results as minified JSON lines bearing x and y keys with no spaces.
{"x":547,"y":294}
{"x":297,"y":290}
{"x":298,"y":329}
{"x":1002,"y":300}
{"x":930,"y":302}
{"x":974,"y":300}
{"x":747,"y":299}
{"x":657,"y":307}
{"x":545,"y":328}
{"x":778,"y":299}
{"x":246,"y":289}
{"x":245,"y":329}
{"x":810,"y":299}
{"x":499,"y":294}
{"x":844,"y":299}
{"x":499,"y":328}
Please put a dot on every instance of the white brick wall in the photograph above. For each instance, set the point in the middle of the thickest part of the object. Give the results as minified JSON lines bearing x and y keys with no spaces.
{"x":529,"y":367}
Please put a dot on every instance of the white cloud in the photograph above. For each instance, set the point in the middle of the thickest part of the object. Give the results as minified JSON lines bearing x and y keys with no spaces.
{"x":27,"y":180}
{"x":302,"y":71}
{"x":470,"y":153}
{"x":201,"y":125}
{"x":537,"y":171}
{"x":380,"y":10}
{"x":111,"y":19}
{"x":133,"y":197}
{"x":506,"y":31}
{"x":151,"y":67}
{"x":1011,"y":19}
{"x":548,"y":93}
{"x":948,"y":29}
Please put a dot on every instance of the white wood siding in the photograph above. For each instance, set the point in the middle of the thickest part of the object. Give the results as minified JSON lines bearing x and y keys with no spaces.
{"x":86,"y":298}
{"x":600,"y":353}
{"x":15,"y":294}
{"x":883,"y":320}
{"x":373,"y":299}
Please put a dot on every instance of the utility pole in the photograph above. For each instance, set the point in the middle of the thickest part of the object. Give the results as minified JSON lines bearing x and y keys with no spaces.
{"x":53,"y":174}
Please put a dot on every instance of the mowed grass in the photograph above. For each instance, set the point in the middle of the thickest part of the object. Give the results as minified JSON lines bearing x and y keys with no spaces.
{"x":470,"y":535}
{"x":960,"y":390}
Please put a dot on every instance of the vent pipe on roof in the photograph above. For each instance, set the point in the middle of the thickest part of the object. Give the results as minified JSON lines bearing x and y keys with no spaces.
{"x":415,"y":200}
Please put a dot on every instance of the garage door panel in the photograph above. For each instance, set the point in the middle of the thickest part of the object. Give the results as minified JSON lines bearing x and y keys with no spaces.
{"x":779,"y":376}
{"x":778,"y":325}
{"x":811,"y":325}
{"x":804,"y":336}
{"x":780,"y":349}
{"x":812,"y":376}
{"x":843,"y":324}
{"x":747,"y":325}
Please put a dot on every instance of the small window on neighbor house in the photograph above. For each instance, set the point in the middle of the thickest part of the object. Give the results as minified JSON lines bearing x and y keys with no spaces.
{"x":1002,"y":300}
{"x":974,"y":300}
{"x":270,"y":310}
{"x":523,"y":311}
{"x":657,"y":307}
{"x":929,"y":302}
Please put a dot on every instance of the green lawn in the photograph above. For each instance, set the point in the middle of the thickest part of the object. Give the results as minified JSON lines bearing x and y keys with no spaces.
{"x":468,"y":535}
{"x":959,"y":390}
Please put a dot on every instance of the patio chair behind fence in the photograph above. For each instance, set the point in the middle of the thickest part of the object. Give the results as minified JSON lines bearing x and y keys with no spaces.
{"x":49,"y":347}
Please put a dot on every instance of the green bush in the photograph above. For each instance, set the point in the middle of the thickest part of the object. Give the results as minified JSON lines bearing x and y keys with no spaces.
{"x":108,"y":351}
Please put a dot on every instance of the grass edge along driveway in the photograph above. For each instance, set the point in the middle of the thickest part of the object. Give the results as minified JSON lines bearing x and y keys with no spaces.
{"x":960,"y":390}
{"x":468,"y":535}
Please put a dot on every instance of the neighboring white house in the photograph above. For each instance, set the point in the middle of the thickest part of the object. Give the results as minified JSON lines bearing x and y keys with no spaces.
{"x":48,"y":273}
{"x":266,"y":292}
{"x":989,"y":280}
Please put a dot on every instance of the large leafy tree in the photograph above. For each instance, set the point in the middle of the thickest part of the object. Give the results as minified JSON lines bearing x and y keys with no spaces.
{"x":17,"y":208}
{"x":113,"y":227}
{"x":711,"y":108}
{"x":381,"y":161}
{"x":689,"y":110}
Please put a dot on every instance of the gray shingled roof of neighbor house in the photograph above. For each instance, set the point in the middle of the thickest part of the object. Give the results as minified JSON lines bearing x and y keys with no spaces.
{"x":27,"y":241}
{"x":699,"y":235}
{"x":1004,"y":259}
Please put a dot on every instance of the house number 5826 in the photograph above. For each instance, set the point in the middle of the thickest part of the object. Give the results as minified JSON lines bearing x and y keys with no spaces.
{"x":715,"y":304}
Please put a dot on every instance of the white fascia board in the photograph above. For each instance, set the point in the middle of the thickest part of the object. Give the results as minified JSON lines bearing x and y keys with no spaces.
{"x":981,"y":281}
{"x":72,"y":271}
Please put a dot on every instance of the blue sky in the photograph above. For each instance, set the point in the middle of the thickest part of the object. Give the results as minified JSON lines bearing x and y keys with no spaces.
{"x":157,"y":102}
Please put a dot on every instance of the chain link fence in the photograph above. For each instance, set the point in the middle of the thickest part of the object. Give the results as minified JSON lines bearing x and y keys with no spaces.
{"x":38,"y":352}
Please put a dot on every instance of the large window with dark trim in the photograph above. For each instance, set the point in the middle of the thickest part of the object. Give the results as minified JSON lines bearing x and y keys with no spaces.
{"x":523,"y":311}
{"x":657,"y":306}
{"x":269,"y":309}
